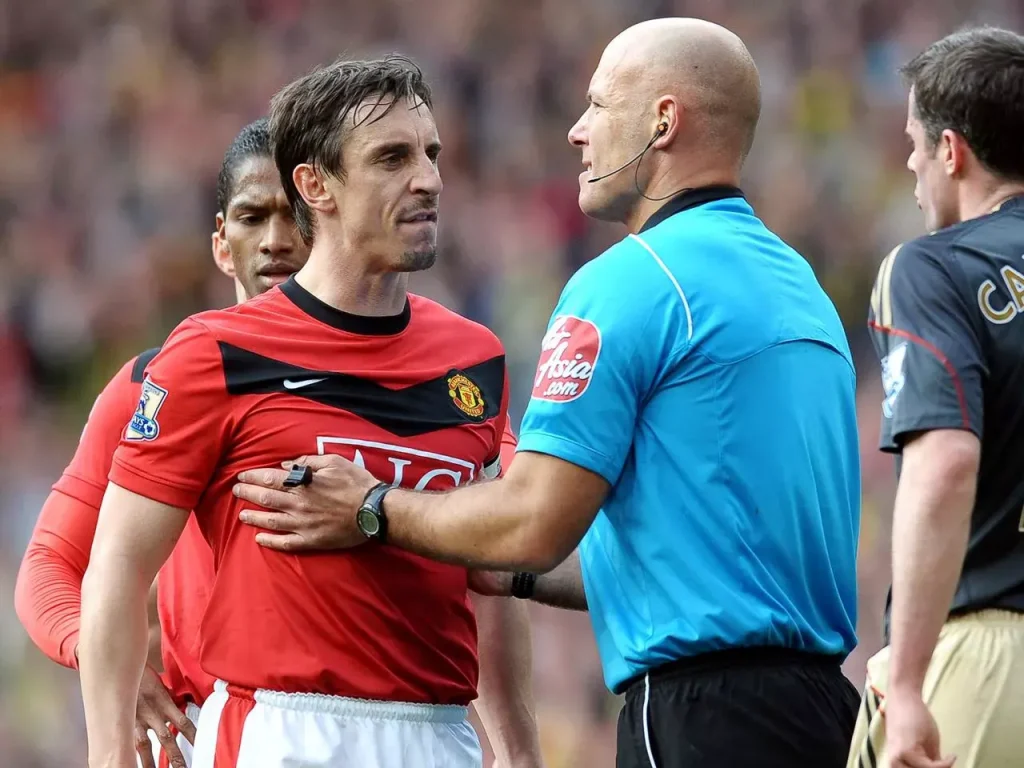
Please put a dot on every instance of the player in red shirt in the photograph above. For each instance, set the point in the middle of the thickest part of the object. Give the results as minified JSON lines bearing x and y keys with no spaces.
{"x":256,"y":243}
{"x":361,"y":658}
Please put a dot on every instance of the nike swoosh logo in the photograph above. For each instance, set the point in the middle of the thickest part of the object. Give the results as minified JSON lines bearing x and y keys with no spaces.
{"x":289,"y":384}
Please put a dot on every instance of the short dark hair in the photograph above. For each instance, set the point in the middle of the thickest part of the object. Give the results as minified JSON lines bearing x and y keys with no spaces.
{"x":252,"y":141}
{"x":307,"y":117}
{"x":972,"y":82}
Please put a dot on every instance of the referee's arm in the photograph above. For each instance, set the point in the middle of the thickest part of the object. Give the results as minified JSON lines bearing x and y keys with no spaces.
{"x":563,"y":586}
{"x":616,"y":325}
{"x":932,"y":415}
{"x":535,"y":516}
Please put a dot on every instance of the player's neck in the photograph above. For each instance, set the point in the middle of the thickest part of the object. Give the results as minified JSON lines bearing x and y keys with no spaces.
{"x":347,"y":284}
{"x":986,"y":196}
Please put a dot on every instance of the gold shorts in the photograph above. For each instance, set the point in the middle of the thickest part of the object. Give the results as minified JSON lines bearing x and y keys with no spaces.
{"x":974,"y":689}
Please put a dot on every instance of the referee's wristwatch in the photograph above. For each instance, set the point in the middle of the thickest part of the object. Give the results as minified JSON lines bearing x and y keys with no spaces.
{"x":370,"y":518}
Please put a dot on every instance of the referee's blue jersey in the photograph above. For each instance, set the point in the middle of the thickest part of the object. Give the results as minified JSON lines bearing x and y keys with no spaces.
{"x":700,"y":369}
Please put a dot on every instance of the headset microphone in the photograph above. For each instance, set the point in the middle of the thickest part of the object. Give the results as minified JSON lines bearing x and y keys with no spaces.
{"x":662,"y":127}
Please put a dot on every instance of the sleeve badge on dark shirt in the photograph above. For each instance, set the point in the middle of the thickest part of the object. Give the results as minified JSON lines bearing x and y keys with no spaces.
{"x":465,"y":395}
{"x":893,"y":377}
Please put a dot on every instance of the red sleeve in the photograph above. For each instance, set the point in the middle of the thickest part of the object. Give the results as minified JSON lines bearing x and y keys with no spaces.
{"x":48,"y":593}
{"x":85,"y":478}
{"x":496,"y":457}
{"x":176,"y":437}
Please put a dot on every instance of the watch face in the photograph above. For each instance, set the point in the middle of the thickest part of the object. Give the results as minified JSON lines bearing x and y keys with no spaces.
{"x":368,"y":523}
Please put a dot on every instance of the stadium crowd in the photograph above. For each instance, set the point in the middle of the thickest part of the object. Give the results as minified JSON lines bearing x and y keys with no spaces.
{"x":113,"y":120}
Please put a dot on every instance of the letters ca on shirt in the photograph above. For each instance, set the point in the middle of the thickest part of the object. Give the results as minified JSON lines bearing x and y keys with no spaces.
{"x":1011,"y":286}
{"x":569,"y":354}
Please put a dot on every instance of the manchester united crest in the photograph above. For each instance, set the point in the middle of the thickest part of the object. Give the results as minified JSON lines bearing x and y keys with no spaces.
{"x":466,"y":395}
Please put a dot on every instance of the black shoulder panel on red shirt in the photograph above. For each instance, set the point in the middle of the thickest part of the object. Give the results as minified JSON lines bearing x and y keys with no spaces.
{"x":144,"y":359}
{"x":443,"y":401}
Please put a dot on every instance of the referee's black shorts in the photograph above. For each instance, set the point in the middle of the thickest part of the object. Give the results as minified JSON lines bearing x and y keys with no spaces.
{"x":742,"y":708}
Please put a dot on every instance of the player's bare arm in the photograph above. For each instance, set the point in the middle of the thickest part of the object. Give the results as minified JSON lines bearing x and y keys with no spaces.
{"x":931,"y":524}
{"x":50,"y":581}
{"x":134,"y":537}
{"x":561,"y":587}
{"x":930,"y":528}
{"x":153,"y":658}
{"x":505,"y":704}
{"x":536,"y":514}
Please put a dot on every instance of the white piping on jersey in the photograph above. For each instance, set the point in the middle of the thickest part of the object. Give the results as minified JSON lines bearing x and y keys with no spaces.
{"x":682,"y":296}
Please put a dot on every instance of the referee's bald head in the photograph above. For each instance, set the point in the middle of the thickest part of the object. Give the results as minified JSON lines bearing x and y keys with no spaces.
{"x":687,"y":87}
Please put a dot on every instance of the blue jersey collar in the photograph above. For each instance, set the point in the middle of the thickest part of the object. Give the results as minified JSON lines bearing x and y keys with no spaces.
{"x":691,"y":198}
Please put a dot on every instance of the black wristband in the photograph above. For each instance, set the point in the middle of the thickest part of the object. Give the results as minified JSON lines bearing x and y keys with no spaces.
{"x":523,"y":584}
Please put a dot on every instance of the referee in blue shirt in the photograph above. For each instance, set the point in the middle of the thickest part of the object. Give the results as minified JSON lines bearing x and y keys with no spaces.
{"x":692,"y":428}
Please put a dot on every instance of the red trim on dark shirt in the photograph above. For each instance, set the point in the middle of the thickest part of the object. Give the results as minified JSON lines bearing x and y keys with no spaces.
{"x":957,"y":384}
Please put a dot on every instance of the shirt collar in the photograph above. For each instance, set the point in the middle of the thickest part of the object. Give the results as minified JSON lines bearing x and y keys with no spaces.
{"x":345,"y":321}
{"x":1010,"y":202}
{"x":691,"y":198}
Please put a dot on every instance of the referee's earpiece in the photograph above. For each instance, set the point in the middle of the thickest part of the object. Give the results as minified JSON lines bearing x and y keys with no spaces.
{"x":659,"y":131}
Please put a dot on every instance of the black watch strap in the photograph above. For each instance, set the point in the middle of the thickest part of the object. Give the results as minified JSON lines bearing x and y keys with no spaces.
{"x":523,"y":584}
{"x":373,"y":502}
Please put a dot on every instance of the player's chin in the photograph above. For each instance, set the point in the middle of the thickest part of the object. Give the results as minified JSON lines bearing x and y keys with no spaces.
{"x":418,"y":258}
{"x":276,"y":278}
{"x":262,"y":283}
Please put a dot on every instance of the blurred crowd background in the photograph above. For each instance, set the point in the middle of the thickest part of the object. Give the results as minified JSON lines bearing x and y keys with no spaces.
{"x":114,"y":116}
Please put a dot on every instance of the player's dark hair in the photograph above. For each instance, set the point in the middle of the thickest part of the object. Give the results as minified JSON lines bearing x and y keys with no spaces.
{"x":308,"y":117}
{"x":252,"y":141}
{"x":972,"y":82}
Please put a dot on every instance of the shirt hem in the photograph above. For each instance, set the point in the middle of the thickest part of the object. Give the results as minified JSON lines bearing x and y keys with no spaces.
{"x":158,"y":490}
{"x":568,"y":450}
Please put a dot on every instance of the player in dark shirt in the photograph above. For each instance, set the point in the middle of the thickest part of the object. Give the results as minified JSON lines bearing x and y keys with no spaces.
{"x":947,"y":321}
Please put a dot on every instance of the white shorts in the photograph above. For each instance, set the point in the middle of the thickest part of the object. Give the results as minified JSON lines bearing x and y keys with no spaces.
{"x":192,"y":713}
{"x":240,"y":728}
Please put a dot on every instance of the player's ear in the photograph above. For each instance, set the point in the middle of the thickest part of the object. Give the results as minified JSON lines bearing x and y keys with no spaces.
{"x":221,"y":249}
{"x":953,"y":152}
{"x":310,"y":184}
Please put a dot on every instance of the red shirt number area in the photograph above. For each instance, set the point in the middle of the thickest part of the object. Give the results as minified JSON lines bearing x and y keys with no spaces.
{"x":568,"y":356}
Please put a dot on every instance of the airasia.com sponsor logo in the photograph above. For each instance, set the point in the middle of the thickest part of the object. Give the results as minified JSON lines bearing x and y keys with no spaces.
{"x":568,"y":355}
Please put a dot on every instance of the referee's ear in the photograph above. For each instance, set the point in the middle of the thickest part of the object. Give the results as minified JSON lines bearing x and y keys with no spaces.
{"x":667,"y":127}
